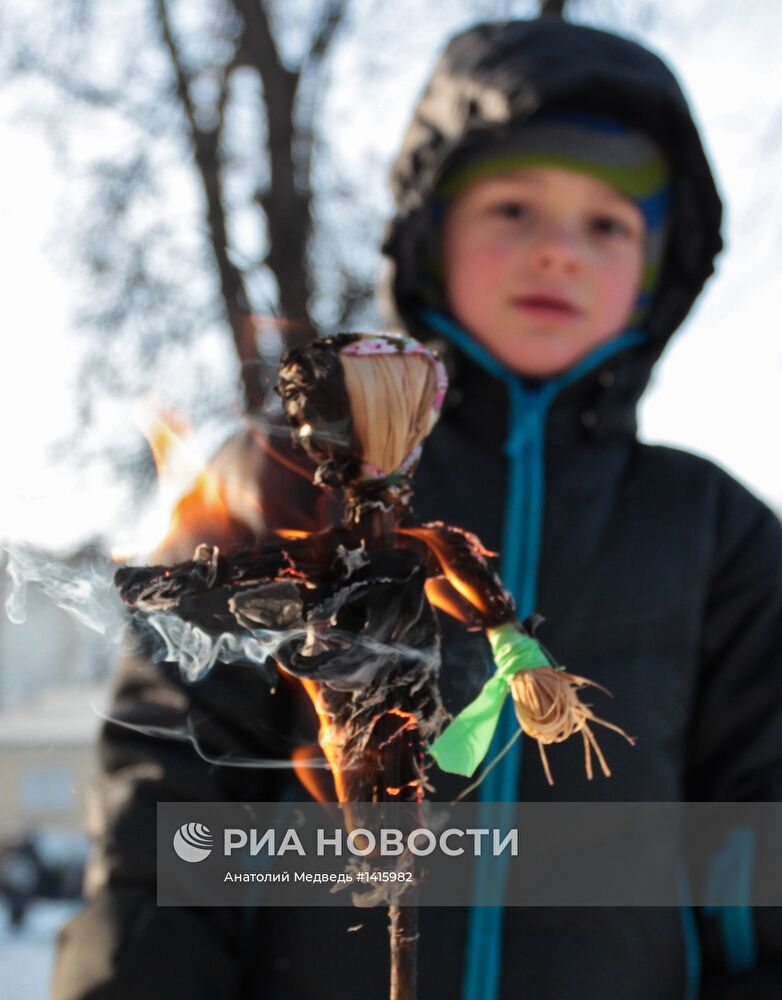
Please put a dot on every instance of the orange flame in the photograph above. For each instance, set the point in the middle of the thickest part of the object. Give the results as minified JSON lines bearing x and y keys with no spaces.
{"x":330,"y":744}
{"x":278,"y":456}
{"x":445,"y":597}
{"x":164,"y":432}
{"x":327,"y":737}
{"x":204,"y":505}
{"x":438,"y":545}
{"x":410,"y":723}
{"x":195,"y":503}
{"x":415,"y":783}
{"x":315,"y":781}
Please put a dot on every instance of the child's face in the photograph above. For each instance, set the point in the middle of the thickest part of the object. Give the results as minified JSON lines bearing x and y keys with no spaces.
{"x":541,"y":265}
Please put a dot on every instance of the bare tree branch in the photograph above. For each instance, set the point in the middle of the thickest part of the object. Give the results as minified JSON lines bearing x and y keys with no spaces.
{"x":322,"y":40}
{"x":286,"y":205}
{"x":152,"y":282}
{"x":84,"y":92}
{"x":206,"y":146}
{"x":312,"y":69}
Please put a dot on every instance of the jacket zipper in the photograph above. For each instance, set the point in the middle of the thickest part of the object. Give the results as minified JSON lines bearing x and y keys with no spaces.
{"x":521,"y":541}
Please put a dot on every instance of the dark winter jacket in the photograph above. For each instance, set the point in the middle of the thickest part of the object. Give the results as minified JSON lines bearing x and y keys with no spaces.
{"x":658,"y":575}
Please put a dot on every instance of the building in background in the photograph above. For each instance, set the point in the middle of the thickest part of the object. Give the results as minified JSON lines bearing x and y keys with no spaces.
{"x":53,"y":683}
{"x":47,"y":759}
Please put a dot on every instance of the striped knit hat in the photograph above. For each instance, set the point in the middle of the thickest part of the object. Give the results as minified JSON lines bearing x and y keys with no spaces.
{"x":604,"y":148}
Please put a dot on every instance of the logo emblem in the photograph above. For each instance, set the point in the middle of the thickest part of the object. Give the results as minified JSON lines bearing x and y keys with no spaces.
{"x":193,"y":842}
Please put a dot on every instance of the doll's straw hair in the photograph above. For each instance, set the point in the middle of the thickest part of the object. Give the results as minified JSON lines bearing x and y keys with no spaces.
{"x":392,"y":404}
{"x":550,"y":711}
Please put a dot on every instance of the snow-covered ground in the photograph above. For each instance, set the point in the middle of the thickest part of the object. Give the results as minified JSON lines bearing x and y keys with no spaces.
{"x":26,"y":957}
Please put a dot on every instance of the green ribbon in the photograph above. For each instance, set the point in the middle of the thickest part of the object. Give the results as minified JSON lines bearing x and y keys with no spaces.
{"x":464,"y":743}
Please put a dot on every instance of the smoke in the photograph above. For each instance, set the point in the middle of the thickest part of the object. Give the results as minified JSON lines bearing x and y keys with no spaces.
{"x":84,"y":589}
{"x":196,"y":651}
{"x":187,"y":734}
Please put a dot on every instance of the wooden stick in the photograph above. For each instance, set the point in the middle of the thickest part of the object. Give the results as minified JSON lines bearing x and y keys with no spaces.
{"x":403,"y":937}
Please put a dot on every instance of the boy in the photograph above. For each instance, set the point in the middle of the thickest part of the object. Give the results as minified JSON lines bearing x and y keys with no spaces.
{"x":556,"y":218}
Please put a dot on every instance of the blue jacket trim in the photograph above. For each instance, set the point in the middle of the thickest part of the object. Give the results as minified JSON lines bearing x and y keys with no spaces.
{"x":692,"y":947}
{"x":521,"y":539}
{"x":730,"y":874}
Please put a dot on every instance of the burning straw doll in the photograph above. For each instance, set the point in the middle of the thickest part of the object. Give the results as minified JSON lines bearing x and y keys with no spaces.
{"x":348,"y":611}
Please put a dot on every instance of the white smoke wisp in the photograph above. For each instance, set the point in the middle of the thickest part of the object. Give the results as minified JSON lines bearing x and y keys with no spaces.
{"x":84,"y":590}
{"x":196,"y":651}
{"x":87,"y":592}
{"x":187,"y":734}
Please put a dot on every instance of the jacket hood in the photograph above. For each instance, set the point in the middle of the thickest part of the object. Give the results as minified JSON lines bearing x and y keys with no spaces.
{"x":493,"y":77}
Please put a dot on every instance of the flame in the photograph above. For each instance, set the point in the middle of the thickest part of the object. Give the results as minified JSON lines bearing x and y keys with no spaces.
{"x":437,"y":542}
{"x":259,"y":322}
{"x":330,"y":744}
{"x":290,"y":572}
{"x":445,"y":597}
{"x":164,"y":432}
{"x":293,"y":533}
{"x":202,"y":510}
{"x":327,"y":738}
{"x":415,"y":783}
{"x":195,"y":503}
{"x":410,"y":723}
{"x":314,"y":781}
{"x":278,"y":456}
{"x":204,"y":504}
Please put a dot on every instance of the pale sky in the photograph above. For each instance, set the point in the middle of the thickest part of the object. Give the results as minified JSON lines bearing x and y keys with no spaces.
{"x":717,"y":389}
